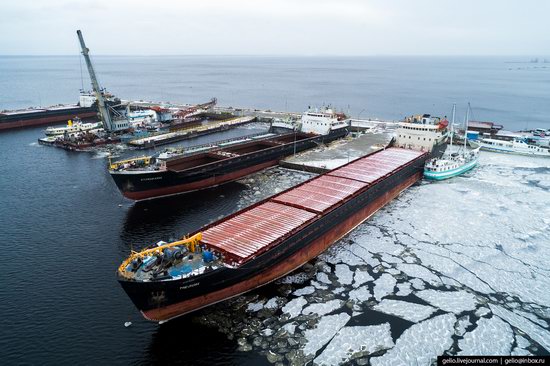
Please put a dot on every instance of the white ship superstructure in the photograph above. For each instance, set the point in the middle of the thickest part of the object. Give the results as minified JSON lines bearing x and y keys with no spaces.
{"x":323,"y":122}
{"x":421,"y":132}
{"x":513,"y":147}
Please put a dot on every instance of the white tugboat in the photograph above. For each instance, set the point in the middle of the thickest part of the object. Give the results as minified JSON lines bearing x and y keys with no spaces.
{"x":452,"y":164}
{"x":73,"y":127}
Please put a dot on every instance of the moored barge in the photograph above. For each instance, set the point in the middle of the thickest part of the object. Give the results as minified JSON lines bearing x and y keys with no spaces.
{"x":267,"y":240}
{"x":157,"y":176}
{"x":160,"y":176}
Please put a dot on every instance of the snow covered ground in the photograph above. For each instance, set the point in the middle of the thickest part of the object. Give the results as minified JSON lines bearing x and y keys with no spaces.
{"x":453,"y":267}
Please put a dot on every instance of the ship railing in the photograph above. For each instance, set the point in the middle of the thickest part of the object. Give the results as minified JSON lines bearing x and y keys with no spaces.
{"x":215,"y":144}
{"x":191,"y":243}
{"x":146,"y":160}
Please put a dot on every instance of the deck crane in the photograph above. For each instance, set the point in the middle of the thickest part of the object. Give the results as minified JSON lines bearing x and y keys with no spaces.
{"x":108,"y":124}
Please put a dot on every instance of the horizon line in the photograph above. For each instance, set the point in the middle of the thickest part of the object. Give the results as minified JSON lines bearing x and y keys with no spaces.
{"x":280,"y":55}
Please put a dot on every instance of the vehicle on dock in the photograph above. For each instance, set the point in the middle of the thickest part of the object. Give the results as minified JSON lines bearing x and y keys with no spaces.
{"x":454,"y":163}
{"x":267,"y":240}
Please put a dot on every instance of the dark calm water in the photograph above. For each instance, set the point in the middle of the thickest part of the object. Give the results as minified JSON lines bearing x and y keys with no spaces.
{"x":63,"y":232}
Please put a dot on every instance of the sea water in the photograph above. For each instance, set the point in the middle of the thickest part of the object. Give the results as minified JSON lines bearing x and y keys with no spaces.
{"x":457,"y":266}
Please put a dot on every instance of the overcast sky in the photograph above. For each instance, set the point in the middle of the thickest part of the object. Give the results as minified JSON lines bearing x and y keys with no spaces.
{"x":276,"y":27}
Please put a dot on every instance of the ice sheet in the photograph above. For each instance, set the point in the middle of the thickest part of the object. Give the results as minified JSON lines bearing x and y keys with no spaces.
{"x":354,"y":340}
{"x":294,"y":307}
{"x":491,"y":337}
{"x":322,"y":308}
{"x":421,"y":343}
{"x":450,"y":301}
{"x":327,"y":327}
{"x":405,"y":310}
{"x":384,"y":285}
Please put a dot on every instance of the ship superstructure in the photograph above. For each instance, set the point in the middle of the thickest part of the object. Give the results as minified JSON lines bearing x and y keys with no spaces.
{"x":423,"y":133}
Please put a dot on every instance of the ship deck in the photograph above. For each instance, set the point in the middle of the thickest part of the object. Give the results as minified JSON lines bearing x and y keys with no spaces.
{"x":179,"y":164}
{"x":252,"y":231}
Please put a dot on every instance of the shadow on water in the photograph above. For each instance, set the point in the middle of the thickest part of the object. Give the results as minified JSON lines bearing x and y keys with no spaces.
{"x":179,"y":215}
{"x":186,"y":341}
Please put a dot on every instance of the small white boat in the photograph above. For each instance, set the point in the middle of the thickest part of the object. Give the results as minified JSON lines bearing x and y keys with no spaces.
{"x":515,"y":146}
{"x":452,"y":164}
{"x":73,"y":127}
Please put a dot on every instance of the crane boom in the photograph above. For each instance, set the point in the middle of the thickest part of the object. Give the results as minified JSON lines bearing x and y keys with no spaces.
{"x":104,"y":113}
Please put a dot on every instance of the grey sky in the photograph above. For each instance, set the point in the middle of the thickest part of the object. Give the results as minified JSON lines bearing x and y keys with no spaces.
{"x":277,"y":27}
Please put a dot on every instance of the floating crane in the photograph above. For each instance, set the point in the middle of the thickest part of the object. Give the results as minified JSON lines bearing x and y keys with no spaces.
{"x":108,"y":124}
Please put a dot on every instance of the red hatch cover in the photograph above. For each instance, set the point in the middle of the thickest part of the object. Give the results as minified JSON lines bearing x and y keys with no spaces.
{"x":377,"y":165}
{"x":321,"y":193}
{"x":251,"y":231}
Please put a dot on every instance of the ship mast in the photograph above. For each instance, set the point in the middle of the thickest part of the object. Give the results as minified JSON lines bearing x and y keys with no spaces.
{"x":466,"y":127}
{"x":452,"y":128}
{"x":104,"y":113}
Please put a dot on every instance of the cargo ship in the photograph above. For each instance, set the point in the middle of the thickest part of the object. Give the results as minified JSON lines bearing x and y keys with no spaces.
{"x":86,"y":108}
{"x":267,"y":240}
{"x":153,"y":177}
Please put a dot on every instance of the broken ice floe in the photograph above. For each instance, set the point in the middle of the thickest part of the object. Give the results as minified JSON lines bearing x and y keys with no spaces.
{"x":414,"y":270}
{"x":304,"y":291}
{"x":403,"y":289}
{"x":294,"y":307}
{"x":322,"y":308}
{"x":327,"y":327}
{"x":482,"y":311}
{"x":360,"y":294}
{"x":417,"y":283}
{"x":361,"y":276}
{"x":323,"y":277}
{"x":344,"y":274}
{"x":318,"y":285}
{"x":405,"y":310}
{"x":255,"y":306}
{"x":461,"y":325}
{"x":450,"y":301}
{"x":492,"y":336}
{"x":355,"y":341}
{"x":384,"y":285}
{"x":436,"y":334}
{"x":536,"y":333}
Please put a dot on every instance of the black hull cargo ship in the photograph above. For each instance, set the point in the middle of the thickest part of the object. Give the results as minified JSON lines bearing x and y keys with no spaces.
{"x":42,"y":116}
{"x":267,"y":240}
{"x":152,"y":177}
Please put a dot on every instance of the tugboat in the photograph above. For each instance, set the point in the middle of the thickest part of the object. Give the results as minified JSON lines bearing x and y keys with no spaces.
{"x":73,"y":126}
{"x":452,"y":164}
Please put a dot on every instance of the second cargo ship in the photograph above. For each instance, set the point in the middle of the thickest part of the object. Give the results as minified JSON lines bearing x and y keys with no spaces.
{"x":152,"y":177}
